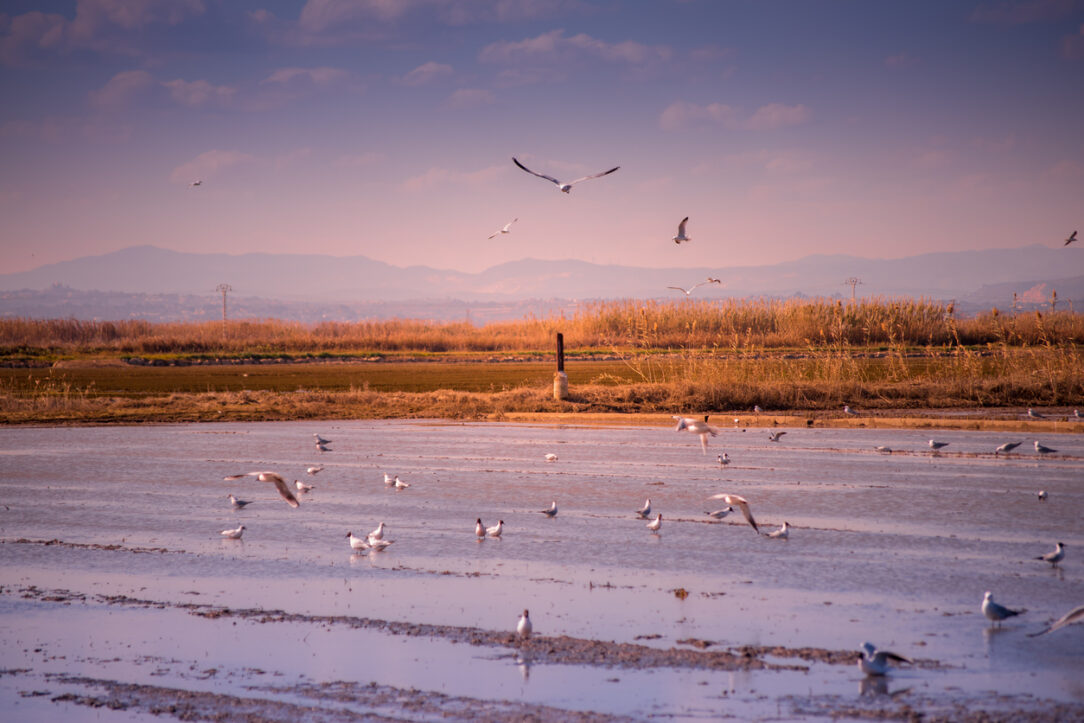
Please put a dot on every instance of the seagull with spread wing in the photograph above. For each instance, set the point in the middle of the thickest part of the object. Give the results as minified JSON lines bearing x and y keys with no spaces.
{"x":1071,"y":239}
{"x":275,"y":479}
{"x":506,"y":229}
{"x":681,"y":232}
{"x":563,"y":187}
{"x":692,"y":288}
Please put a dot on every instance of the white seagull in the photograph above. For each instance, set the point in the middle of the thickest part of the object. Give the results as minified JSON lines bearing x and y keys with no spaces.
{"x":655,"y":524}
{"x":681,"y":232}
{"x":400,"y":484}
{"x":876,"y":662}
{"x":883,"y":449}
{"x":1042,"y":495}
{"x":1032,"y":414}
{"x":1041,"y":449}
{"x":233,"y":534}
{"x":322,"y":447}
{"x":1006,"y":448}
{"x":1054,"y":557}
{"x":995,"y":612}
{"x":724,"y":459}
{"x":783,"y":533}
{"x":563,"y":187}
{"x":238,"y":504}
{"x":496,"y":530}
{"x":314,"y":470}
{"x":757,"y":409}
{"x":720,"y":514}
{"x":774,"y":436}
{"x":320,"y":440}
{"x":692,"y":288}
{"x":303,"y":487}
{"x":199,"y":182}
{"x":847,"y":410}
{"x":551,"y":457}
{"x":388,"y":479}
{"x":506,"y":229}
{"x":380,"y":545}
{"x":644,"y":511}
{"x":742,"y":505}
{"x":377,"y":534}
{"x":524,"y":627}
{"x":275,"y":479}
{"x":1076,"y":615}
{"x":479,"y":529}
{"x":357,"y":544}
{"x":1071,"y":239}
{"x":552,"y":511}
{"x":703,"y":429}
{"x":937,"y":446}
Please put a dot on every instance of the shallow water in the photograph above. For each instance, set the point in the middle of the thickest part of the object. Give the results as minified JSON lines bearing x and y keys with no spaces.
{"x":896,"y":549}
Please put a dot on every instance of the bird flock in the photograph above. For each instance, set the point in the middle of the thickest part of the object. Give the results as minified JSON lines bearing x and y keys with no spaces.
{"x":871,"y":661}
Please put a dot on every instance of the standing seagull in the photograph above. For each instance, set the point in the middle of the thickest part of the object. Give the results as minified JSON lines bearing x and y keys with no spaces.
{"x":233,"y":534}
{"x":314,"y":470}
{"x":994,"y":612}
{"x":681,"y":232}
{"x":875,"y":662}
{"x":724,"y":459}
{"x":524,"y":627}
{"x":655,"y":524}
{"x":720,"y":514}
{"x":742,"y":505}
{"x":552,"y":511}
{"x":1041,"y":449}
{"x":507,"y":229}
{"x":644,"y":511}
{"x":1076,"y":615}
{"x":1054,"y":557}
{"x":274,"y":478}
{"x":320,"y":440}
{"x":400,"y":484}
{"x":1042,"y":495}
{"x":238,"y":504}
{"x":783,"y":533}
{"x":303,"y":487}
{"x":377,"y":534}
{"x":1032,"y":414}
{"x":847,"y":410}
{"x":357,"y":544}
{"x":937,"y":446}
{"x":479,"y":529}
{"x":496,"y":530}
{"x":1071,"y":239}
{"x":1006,"y":448}
{"x":563,"y":187}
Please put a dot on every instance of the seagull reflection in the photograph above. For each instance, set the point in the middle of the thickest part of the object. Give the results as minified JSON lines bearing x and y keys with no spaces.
{"x":876,"y":685}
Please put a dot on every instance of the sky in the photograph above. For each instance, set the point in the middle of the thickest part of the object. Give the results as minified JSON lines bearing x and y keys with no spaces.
{"x":386,"y":128}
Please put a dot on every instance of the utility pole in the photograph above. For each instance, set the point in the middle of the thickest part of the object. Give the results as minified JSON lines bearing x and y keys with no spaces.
{"x":224,"y":288}
{"x":852,"y":282}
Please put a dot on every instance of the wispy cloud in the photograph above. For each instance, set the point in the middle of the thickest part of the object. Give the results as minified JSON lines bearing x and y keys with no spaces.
{"x":437,"y":176}
{"x":1022,"y":12}
{"x":681,"y":115}
{"x":195,"y":93}
{"x":552,"y":55}
{"x":322,"y":76}
{"x":208,"y":165}
{"x":470,"y":98}
{"x":121,"y":88}
{"x":359,"y":160}
{"x":107,"y":26}
{"x":427,"y":73}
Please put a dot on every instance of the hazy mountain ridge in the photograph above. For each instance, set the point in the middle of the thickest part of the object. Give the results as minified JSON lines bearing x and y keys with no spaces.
{"x":147,"y":281}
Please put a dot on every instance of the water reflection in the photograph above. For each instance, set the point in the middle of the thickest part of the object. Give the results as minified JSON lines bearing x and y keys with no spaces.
{"x":877,"y":685}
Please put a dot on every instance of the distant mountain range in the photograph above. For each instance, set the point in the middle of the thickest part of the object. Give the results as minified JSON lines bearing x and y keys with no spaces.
{"x":151,"y":282}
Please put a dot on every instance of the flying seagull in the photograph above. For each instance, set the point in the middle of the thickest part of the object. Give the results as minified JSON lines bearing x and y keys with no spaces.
{"x":774,"y":436}
{"x":742,"y":504}
{"x":1075,"y":615}
{"x":681,"y":232}
{"x":1071,"y":239}
{"x":703,"y":429}
{"x":199,"y":182}
{"x":275,"y":479}
{"x":564,"y":187}
{"x":692,"y":288}
{"x":995,"y":612}
{"x":876,"y":662}
{"x":506,"y":229}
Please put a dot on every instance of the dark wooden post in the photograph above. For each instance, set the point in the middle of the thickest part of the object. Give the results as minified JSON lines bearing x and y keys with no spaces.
{"x":560,"y":379}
